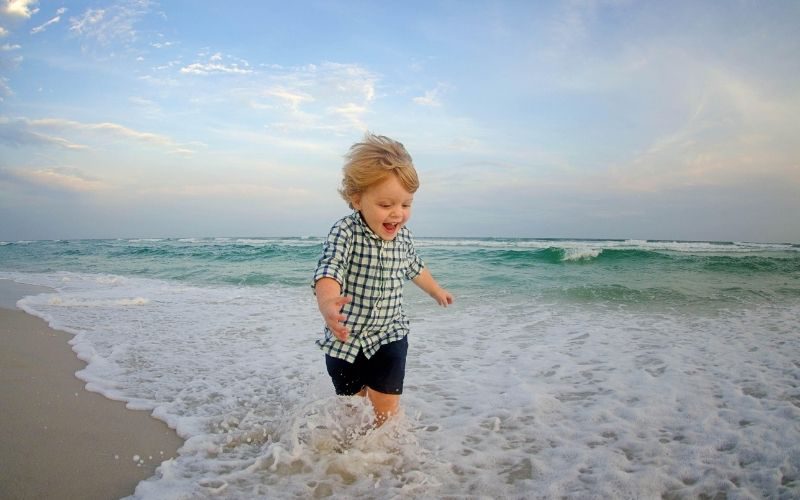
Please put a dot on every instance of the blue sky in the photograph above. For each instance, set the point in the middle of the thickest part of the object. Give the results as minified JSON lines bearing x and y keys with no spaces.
{"x":590,"y":119}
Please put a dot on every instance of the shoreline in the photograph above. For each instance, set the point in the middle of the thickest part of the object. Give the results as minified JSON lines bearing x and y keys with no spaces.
{"x":58,"y":440}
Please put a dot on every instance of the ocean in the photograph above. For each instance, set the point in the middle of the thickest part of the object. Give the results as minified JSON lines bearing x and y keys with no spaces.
{"x":565,"y":368}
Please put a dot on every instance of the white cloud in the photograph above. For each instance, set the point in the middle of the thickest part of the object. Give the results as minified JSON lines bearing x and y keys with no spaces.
{"x":3,"y":32}
{"x":8,"y":62}
{"x":353,"y":113}
{"x":42,"y":27}
{"x":430,"y":98}
{"x":24,"y":131}
{"x":88,"y":22}
{"x":19,"y":133}
{"x":736,"y":131}
{"x":61,"y":179}
{"x":292,"y":98}
{"x":217,"y":65}
{"x":214,"y":68}
{"x":19,"y":8}
{"x":326,"y":97}
{"x":115,"y":23}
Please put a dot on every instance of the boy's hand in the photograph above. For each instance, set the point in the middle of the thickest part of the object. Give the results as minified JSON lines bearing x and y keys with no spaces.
{"x":331,"y":310}
{"x":442,"y":297}
{"x":425,"y":281}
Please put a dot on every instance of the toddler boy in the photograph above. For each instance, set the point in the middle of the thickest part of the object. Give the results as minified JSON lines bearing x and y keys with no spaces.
{"x":366,"y":258}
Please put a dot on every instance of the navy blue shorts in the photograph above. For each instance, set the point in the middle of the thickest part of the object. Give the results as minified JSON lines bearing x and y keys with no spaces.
{"x":383,"y":372}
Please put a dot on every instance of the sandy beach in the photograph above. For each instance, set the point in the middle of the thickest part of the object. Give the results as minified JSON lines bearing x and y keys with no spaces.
{"x":58,"y":440}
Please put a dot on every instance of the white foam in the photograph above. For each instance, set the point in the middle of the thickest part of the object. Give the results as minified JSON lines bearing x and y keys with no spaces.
{"x":506,"y":398}
{"x":257,"y":242}
{"x":581,"y":253}
{"x":81,"y":302}
{"x":690,"y":247}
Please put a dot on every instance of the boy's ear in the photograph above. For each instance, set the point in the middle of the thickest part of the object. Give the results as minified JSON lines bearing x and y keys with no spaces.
{"x":355,"y":200}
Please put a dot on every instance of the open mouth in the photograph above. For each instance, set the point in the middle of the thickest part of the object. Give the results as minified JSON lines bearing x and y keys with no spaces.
{"x":390,"y":227}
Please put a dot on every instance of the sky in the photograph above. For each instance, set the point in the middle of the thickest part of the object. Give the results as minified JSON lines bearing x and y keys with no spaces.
{"x":542,"y":119}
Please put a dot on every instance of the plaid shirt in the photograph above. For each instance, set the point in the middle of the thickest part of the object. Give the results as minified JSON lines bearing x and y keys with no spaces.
{"x":371,"y":271}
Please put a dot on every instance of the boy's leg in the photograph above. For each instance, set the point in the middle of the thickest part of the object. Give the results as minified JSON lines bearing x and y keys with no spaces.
{"x":384,"y":379}
{"x":385,"y":405}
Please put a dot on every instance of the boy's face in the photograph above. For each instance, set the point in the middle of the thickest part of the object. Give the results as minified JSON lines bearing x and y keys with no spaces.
{"x":386,"y":207}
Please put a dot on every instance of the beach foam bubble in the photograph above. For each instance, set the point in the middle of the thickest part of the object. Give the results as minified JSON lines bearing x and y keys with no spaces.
{"x":505,"y":397}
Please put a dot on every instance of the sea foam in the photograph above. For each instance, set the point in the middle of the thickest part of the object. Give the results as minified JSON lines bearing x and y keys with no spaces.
{"x":505,"y":396}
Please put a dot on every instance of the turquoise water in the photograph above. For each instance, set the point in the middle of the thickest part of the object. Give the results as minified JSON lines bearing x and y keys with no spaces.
{"x":565,"y":368}
{"x":612,"y":272}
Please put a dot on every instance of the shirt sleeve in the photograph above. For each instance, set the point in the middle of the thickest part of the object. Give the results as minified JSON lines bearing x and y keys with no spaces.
{"x":335,"y":255}
{"x":415,"y":263}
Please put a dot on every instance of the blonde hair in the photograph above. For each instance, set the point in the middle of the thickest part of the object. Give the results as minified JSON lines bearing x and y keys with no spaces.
{"x":373,"y":161}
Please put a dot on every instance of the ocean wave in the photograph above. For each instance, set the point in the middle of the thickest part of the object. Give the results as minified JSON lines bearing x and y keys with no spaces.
{"x":581,"y":253}
{"x":563,"y":255}
{"x":691,"y":247}
{"x":597,"y":255}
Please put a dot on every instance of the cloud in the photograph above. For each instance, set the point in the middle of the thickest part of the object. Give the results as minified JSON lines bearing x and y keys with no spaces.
{"x":215,"y":65}
{"x":737,"y":130}
{"x":8,"y":62}
{"x":326,"y":97}
{"x":293,"y":99}
{"x":19,"y":132}
{"x":43,"y":27}
{"x":23,"y":131}
{"x":115,"y":23}
{"x":19,"y":8}
{"x":3,"y":32}
{"x":112,"y":129}
{"x":56,"y":179}
{"x":353,"y":113}
{"x":87,"y":22}
{"x":431,"y":97}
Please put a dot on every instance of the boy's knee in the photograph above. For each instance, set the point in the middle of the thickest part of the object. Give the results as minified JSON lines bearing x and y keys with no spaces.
{"x":385,"y":404}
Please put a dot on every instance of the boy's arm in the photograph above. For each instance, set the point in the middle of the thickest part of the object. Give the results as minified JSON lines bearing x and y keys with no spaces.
{"x":425,"y":281}
{"x":330,"y":302}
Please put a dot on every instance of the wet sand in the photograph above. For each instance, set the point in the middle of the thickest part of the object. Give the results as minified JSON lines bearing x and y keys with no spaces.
{"x":58,"y":440}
